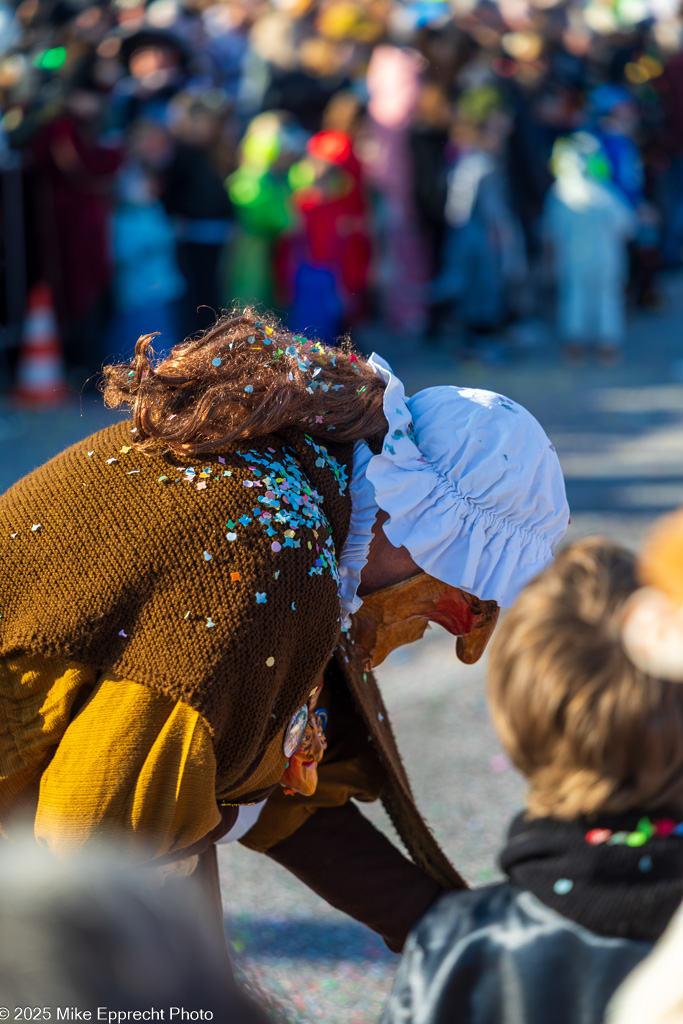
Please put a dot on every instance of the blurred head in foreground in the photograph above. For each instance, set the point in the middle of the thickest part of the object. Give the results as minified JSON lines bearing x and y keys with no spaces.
{"x":590,"y":731}
{"x":94,"y":932}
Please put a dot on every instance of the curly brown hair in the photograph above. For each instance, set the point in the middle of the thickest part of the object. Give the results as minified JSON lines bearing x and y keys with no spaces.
{"x":245,"y":377}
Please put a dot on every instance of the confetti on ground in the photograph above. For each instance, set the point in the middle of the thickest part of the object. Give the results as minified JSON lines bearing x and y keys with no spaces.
{"x":311,"y":970}
{"x":499,"y":763}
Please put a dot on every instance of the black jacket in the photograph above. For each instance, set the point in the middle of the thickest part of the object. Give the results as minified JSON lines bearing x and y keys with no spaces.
{"x":500,"y":956}
{"x":584,"y":903}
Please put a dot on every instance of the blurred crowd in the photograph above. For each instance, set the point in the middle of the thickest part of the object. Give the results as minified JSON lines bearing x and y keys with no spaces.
{"x":442,"y":169}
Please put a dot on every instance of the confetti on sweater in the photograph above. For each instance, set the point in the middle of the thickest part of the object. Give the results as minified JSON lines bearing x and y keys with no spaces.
{"x":248,"y":388}
{"x":235,"y":576}
{"x":35,"y":527}
{"x":162,"y":478}
{"x":210,"y":623}
{"x":91,"y":453}
{"x":270,"y":661}
{"x":231,"y":537}
{"x":109,"y":461}
{"x":201,"y":486}
{"x":261,"y":598}
{"x":216,"y":361}
{"x":207,"y":556}
{"x":122,"y":633}
{"x":126,"y":448}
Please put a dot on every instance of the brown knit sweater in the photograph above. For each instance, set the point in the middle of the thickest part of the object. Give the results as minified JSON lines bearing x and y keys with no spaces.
{"x":213,"y":582}
{"x":216,"y":588}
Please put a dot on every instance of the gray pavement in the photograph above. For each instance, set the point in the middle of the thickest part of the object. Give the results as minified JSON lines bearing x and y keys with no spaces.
{"x":619,"y":434}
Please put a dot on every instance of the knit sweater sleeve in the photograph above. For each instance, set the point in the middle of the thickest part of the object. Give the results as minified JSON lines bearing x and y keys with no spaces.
{"x":134,"y":767}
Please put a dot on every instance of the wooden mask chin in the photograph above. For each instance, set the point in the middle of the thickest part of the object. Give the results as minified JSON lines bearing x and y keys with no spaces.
{"x":400,"y":614}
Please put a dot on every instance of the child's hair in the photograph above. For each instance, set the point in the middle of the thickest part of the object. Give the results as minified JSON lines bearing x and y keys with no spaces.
{"x":589,"y":730}
{"x":245,"y":377}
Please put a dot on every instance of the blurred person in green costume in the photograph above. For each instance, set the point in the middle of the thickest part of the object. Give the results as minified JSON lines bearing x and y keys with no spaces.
{"x":261,"y":198}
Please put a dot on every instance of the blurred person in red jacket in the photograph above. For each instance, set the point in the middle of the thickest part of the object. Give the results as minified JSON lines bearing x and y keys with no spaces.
{"x":330,"y":266}
{"x":73,"y":183}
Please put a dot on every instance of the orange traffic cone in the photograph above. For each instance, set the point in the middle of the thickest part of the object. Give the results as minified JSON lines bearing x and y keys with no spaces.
{"x":40,"y":374}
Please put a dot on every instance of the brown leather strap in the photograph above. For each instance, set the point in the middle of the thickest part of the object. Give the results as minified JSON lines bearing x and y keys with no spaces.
{"x":340,"y":855}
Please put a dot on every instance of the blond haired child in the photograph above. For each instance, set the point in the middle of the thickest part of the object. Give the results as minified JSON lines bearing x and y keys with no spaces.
{"x":594,"y":864}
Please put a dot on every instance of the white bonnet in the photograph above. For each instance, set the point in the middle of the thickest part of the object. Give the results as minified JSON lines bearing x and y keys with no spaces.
{"x":472,"y":485}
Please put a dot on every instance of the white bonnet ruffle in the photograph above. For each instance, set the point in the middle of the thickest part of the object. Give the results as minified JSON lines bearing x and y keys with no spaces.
{"x":472,"y":485}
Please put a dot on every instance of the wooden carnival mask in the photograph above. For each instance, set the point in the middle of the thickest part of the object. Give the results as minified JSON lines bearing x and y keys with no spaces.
{"x":301,"y":774}
{"x":400,"y":614}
